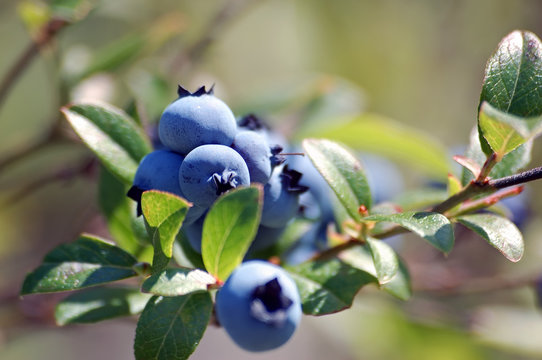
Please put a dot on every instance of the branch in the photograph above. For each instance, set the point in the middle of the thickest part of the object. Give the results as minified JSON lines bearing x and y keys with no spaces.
{"x":46,"y":34}
{"x":521,"y":178}
{"x":63,"y":174}
{"x":482,"y":285}
{"x":216,"y":26}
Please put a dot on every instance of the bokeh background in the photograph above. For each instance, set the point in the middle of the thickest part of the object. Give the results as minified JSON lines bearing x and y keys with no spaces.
{"x":300,"y":63}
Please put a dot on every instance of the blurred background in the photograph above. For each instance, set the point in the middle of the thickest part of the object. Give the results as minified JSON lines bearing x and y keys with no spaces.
{"x":417,"y":65}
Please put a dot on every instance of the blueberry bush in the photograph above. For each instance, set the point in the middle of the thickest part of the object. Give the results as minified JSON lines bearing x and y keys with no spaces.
{"x":217,"y":220}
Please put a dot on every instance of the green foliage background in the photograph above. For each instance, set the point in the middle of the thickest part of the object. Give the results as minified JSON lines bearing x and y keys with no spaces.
{"x":418,"y":62}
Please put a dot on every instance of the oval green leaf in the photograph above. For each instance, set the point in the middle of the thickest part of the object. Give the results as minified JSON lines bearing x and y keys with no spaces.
{"x":164,"y":214}
{"x":513,"y":75}
{"x":500,"y":232}
{"x":328,"y":286}
{"x":99,"y":304}
{"x":175,"y":282}
{"x":512,"y":162}
{"x":170,"y":328}
{"x":432,"y":226}
{"x":112,"y":135}
{"x":342,"y":171}
{"x":119,"y":212}
{"x":361,"y":258}
{"x":88,"y":261}
{"x":385,"y":260}
{"x":229,"y":228}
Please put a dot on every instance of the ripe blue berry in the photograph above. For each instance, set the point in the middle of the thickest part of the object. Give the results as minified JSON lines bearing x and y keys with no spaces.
{"x":193,"y":233}
{"x":316,"y":203}
{"x":256,"y":153}
{"x":259,"y":306}
{"x":210,"y":170}
{"x":159,"y":170}
{"x":196,"y":119}
{"x":274,"y":139}
{"x":281,"y":198}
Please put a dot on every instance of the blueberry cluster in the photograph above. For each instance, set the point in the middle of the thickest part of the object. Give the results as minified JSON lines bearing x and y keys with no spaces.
{"x":206,"y":152}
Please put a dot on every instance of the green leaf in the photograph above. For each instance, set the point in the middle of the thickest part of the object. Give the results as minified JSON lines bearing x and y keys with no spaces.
{"x":509,"y":165}
{"x":112,"y":135}
{"x":400,"y":285}
{"x":433,"y":227}
{"x":328,"y":286}
{"x":229,"y":228}
{"x":99,"y":304}
{"x":385,"y":260}
{"x":170,"y":328}
{"x":34,"y":14}
{"x":500,"y":232}
{"x":72,"y":10}
{"x":342,"y":171}
{"x":88,"y":261}
{"x":360,"y":257}
{"x":379,"y":135}
{"x":164,"y":214}
{"x":114,"y":55}
{"x":175,"y":282}
{"x":501,"y":136}
{"x":119,"y":212}
{"x":184,"y":254}
{"x":513,"y":75}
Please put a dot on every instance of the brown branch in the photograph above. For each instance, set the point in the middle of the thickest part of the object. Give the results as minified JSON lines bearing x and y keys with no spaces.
{"x":45,"y":35}
{"x":63,"y":174}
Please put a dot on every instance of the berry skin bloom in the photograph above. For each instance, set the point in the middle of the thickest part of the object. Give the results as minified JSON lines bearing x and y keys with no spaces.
{"x":209,"y":171}
{"x":196,"y":119}
{"x":159,"y":170}
{"x":259,"y":306}
{"x":256,"y":153}
{"x":281,"y":197}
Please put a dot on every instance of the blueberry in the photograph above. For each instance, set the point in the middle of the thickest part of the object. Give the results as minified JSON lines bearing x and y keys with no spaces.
{"x":193,"y":233}
{"x":159,"y":170}
{"x":256,"y":153}
{"x":281,"y":198}
{"x":254,"y":123}
{"x":316,"y":203}
{"x":259,"y":306}
{"x":210,"y":170}
{"x":196,"y":119}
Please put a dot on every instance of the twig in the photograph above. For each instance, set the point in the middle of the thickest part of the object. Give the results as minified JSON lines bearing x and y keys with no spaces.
{"x":217,"y":24}
{"x":46,"y":34}
{"x":481,"y":286}
{"x":63,"y":174}
{"x":521,"y":178}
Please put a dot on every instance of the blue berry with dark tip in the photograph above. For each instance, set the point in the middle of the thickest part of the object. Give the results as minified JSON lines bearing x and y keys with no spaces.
{"x":196,"y":119}
{"x":209,"y":171}
{"x":256,"y":153}
{"x":281,"y":198}
{"x":159,"y":170}
{"x":274,"y":139}
{"x":259,"y":306}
